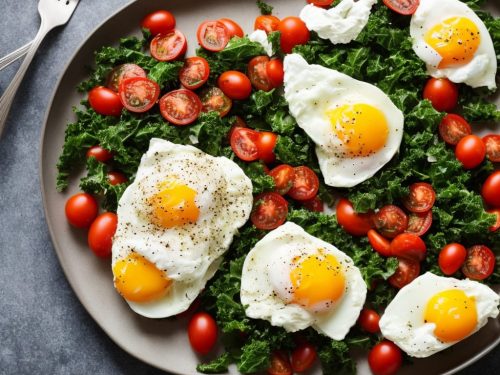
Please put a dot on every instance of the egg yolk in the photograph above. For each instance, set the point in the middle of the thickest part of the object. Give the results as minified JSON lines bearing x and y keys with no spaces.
{"x":138,"y":280}
{"x":174,"y":205}
{"x":455,"y":39}
{"x":453,"y":313}
{"x":318,"y":282}
{"x":362,"y":128}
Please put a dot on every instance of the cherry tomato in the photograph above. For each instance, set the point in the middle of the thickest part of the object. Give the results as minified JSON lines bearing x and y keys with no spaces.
{"x":194,"y":73}
{"x":421,"y":198}
{"x":305,"y":184}
{"x":266,"y":144}
{"x":470,"y":151}
{"x":379,"y":243}
{"x":303,"y":357}
{"x":158,"y":22}
{"x":419,"y":223}
{"x":385,"y":358}
{"x":244,"y":143}
{"x":101,"y":232}
{"x":390,"y":221}
{"x":495,"y":226}
{"x":315,"y":204}
{"x":451,"y":258}
{"x":321,"y":3}
{"x":408,"y":246}
{"x":169,"y":46}
{"x":213,"y":35}
{"x":453,"y":128}
{"x":232,"y":27}
{"x":404,"y":7}
{"x":280,"y":364}
{"x":283,"y":178}
{"x":139,"y":94}
{"x":81,"y":210}
{"x":479,"y":263}
{"x":368,"y":320}
{"x":99,"y":153}
{"x":122,"y":72}
{"x":275,"y":72}
{"x":293,"y":32}
{"x":268,"y":23}
{"x":235,"y":85}
{"x":257,"y":72}
{"x":238,"y":123}
{"x":442,"y":93}
{"x":202,"y":333}
{"x":180,"y":107}
{"x":352,"y":222}
{"x":491,"y":190}
{"x":407,"y":271}
{"x":492,"y":142}
{"x":116,"y":178}
{"x":104,"y":101}
{"x":213,"y":99}
{"x":269,"y":211}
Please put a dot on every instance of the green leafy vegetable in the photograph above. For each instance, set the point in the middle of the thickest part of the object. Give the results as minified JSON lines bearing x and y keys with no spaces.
{"x":265,"y":8}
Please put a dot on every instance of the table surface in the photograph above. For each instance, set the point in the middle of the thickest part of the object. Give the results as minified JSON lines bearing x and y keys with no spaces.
{"x":43,"y":327}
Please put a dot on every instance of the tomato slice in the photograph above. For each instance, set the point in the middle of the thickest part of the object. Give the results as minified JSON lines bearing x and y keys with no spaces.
{"x":390,"y":221}
{"x":421,"y":198}
{"x":305,"y":184}
{"x":213,"y":99}
{"x":257,"y":72}
{"x":268,"y":23}
{"x":495,"y":226}
{"x":244,"y":143}
{"x":180,"y":107}
{"x":121,"y":72}
{"x":404,"y":7}
{"x":138,"y":94}
{"x":492,"y":142}
{"x":408,"y":246}
{"x":169,"y":46}
{"x":453,"y":128}
{"x":419,"y":223}
{"x":314,"y":205}
{"x":283,"y":176}
{"x":269,"y":211}
{"x":407,"y":271}
{"x":213,"y":35}
{"x":379,"y":243}
{"x":194,"y":73}
{"x":480,"y":263}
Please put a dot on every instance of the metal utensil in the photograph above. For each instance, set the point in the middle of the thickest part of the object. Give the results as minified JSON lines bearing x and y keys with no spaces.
{"x":14,"y":55}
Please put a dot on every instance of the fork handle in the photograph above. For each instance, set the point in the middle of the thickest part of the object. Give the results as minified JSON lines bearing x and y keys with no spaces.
{"x":14,"y":55}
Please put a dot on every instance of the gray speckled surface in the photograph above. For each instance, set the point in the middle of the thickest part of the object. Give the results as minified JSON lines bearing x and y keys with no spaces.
{"x":43,"y":327}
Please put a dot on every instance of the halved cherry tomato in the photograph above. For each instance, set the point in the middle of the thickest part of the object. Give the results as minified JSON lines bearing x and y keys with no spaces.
{"x":122,"y":72}
{"x":139,"y":94}
{"x":280,"y":364}
{"x":479,"y":263}
{"x":235,"y":85}
{"x":315,"y":204}
{"x":470,"y":151}
{"x":213,"y":99}
{"x":419,"y":223}
{"x":408,"y":246}
{"x":213,"y":35}
{"x":492,"y":142}
{"x":404,"y":7}
{"x":368,"y":320}
{"x":232,"y":27}
{"x":194,"y":73}
{"x":303,"y":357}
{"x":407,"y":271}
{"x":266,"y":144}
{"x":352,"y":222}
{"x":451,"y":258}
{"x":275,"y":72}
{"x":81,"y":210}
{"x":257,"y":72}
{"x":169,"y":46}
{"x":490,"y":190}
{"x":180,"y":107}
{"x":385,"y":358}
{"x":453,"y":128}
{"x":202,"y":333}
{"x":495,"y":226}
{"x":293,"y":32}
{"x":99,"y":153}
{"x":238,"y":123}
{"x":244,"y":143}
{"x":305,"y":184}
{"x":101,"y":232}
{"x":379,"y":243}
{"x":421,"y":198}
{"x":269,"y":211}
{"x":116,"y":178}
{"x":442,"y":93}
{"x":268,"y":23}
{"x":158,"y":22}
{"x":283,"y":178}
{"x":390,"y":221}
{"x":321,"y":3}
{"x":104,"y":101}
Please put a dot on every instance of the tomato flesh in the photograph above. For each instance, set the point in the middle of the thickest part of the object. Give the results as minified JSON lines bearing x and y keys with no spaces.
{"x":369,"y":320}
{"x":451,"y":258}
{"x":408,"y":246}
{"x":315,"y":204}
{"x":352,"y":222}
{"x":194,"y":73}
{"x":180,"y":107}
{"x":280,"y":364}
{"x":283,"y":178}
{"x":213,"y":35}
{"x":421,"y":198}
{"x":101,"y":232}
{"x":419,"y":223}
{"x":407,"y":271}
{"x":303,"y":357}
{"x":404,"y":7}
{"x":442,"y":93}
{"x":492,"y":143}
{"x":379,"y":243}
{"x":213,"y":99}
{"x":269,"y":211}
{"x":268,"y":23}
{"x":305,"y":184}
{"x":81,"y":210}
{"x":257,"y":72}
{"x":490,"y":190}
{"x":244,"y":143}
{"x":122,"y":72}
{"x":479,"y":263}
{"x":168,"y":47}
{"x":139,"y":94}
{"x":495,"y":226}
{"x":390,"y":221}
{"x":202,"y":333}
{"x":470,"y":151}
{"x":385,"y":358}
{"x":453,"y":128}
{"x":104,"y":101}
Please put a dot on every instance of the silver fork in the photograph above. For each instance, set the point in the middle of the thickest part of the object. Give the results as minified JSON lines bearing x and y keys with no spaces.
{"x":52,"y":13}
{"x":14,"y":55}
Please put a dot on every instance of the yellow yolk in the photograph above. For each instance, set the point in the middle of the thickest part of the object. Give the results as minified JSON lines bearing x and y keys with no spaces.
{"x":174,"y":205}
{"x":455,"y":39}
{"x":138,"y":280}
{"x":453,"y":313}
{"x":317,"y":280}
{"x":362,"y":128}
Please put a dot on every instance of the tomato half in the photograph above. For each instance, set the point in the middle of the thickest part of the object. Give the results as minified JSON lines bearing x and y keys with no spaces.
{"x":352,"y":222}
{"x":451,"y":258}
{"x":275,"y":72}
{"x":180,"y":107}
{"x":495,"y":226}
{"x":232,"y":27}
{"x":303,"y":357}
{"x":421,"y":198}
{"x":385,"y":358}
{"x":269,"y":211}
{"x":266,"y":144}
{"x":116,"y":178}
{"x":280,"y":364}
{"x":158,"y":22}
{"x":419,"y":223}
{"x":169,"y":46}
{"x":139,"y":94}
{"x":213,"y":99}
{"x":104,"y":101}
{"x":315,"y":204}
{"x":404,"y":7}
{"x":257,"y":72}
{"x":321,"y":3}
{"x":305,"y":184}
{"x":369,"y":320}
{"x":99,"y":153}
{"x":81,"y":210}
{"x":470,"y":151}
{"x":408,"y":246}
{"x":490,"y":190}
{"x":390,"y":221}
{"x":293,"y":32}
{"x":235,"y":85}
{"x":194,"y":73}
{"x":283,"y":178}
{"x":101,"y":232}
{"x":379,"y":243}
{"x":442,"y":93}
{"x":479,"y":263}
{"x":407,"y":271}
{"x":453,"y":128}
{"x":243,"y":142}
{"x":213,"y":35}
{"x":268,"y":23}
{"x":492,"y":143}
{"x":202,"y":333}
{"x":122,"y":72}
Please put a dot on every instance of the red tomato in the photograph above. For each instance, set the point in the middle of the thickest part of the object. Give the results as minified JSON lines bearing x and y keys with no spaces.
{"x":232,"y":27}
{"x":419,"y":223}
{"x":305,"y":184}
{"x":202,"y":333}
{"x":139,"y":94}
{"x":99,"y":153}
{"x":479,"y":263}
{"x":442,"y":93}
{"x":303,"y":357}
{"x":293,"y":32}
{"x":385,"y":358}
{"x":368,"y":320}
{"x":407,"y":271}
{"x":116,"y":178}
{"x":257,"y":72}
{"x":169,"y":46}
{"x":213,"y":35}
{"x":213,"y":99}
{"x":491,"y":190}
{"x":244,"y":143}
{"x":315,"y":204}
{"x":421,"y":198}
{"x":283,"y":178}
{"x":492,"y":142}
{"x":122,"y":72}
{"x":81,"y":210}
{"x":451,"y":258}
{"x":390,"y":221}
{"x":275,"y":72}
{"x":158,"y":22}
{"x":266,"y":144}
{"x":101,"y":232}
{"x":104,"y":101}
{"x":268,"y":23}
{"x":194,"y":73}
{"x":495,"y":226}
{"x":408,"y":246}
{"x":453,"y":128}
{"x":321,"y":3}
{"x":470,"y":151}
{"x":379,"y":243}
{"x":235,"y":85}
{"x":352,"y":222}
{"x":280,"y":364}
{"x":269,"y":211}
{"x":180,"y":107}
{"x":404,"y":7}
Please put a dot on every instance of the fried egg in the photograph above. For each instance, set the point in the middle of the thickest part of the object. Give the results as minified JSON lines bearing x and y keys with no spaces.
{"x":295,"y":280}
{"x":454,"y":43}
{"x":175,"y":221}
{"x":355,"y":126}
{"x":433,"y":313}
